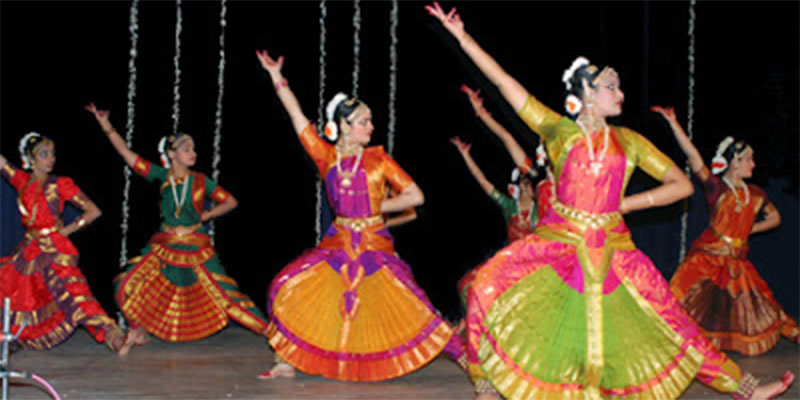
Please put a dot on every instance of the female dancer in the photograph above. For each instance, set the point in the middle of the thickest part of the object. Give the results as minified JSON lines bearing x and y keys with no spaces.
{"x":177,"y":289}
{"x":349,"y":309}
{"x":575,"y":310}
{"x":716,"y":284}
{"x":48,"y":292}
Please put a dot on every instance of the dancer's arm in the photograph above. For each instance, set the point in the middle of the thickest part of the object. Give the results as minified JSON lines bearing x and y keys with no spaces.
{"x":113,"y":136}
{"x":220,"y":209}
{"x":772,"y":218}
{"x":3,"y":162}
{"x":90,"y":213}
{"x":405,"y":217}
{"x":464,"y":148}
{"x":410,"y":197}
{"x":693,"y":156}
{"x":285,"y":94}
{"x":514,"y":149}
{"x":514,"y":93}
{"x":674,"y":186}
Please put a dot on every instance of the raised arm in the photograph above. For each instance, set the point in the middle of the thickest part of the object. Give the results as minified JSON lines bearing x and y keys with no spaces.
{"x":514,"y":149}
{"x":285,"y":94}
{"x":3,"y":161}
{"x":464,"y":148}
{"x":113,"y":136}
{"x":514,"y":93}
{"x":695,"y":160}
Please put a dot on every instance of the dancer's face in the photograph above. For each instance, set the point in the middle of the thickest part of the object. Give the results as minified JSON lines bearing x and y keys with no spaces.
{"x":360,"y":127}
{"x":526,"y":189}
{"x":742,"y":165}
{"x":184,"y":154}
{"x":607,"y":97}
{"x":44,"y":157}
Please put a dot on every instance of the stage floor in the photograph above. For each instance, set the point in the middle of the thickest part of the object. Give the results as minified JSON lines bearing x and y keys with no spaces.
{"x":225,"y":367}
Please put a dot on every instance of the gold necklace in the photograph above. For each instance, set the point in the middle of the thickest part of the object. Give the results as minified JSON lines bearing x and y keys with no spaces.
{"x":345,"y":177}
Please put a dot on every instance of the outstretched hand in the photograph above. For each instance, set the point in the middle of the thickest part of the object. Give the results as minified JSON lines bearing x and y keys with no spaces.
{"x":462,"y":147}
{"x":474,"y":98}
{"x":270,"y":64}
{"x":667,"y":112}
{"x":451,"y":20}
{"x":101,"y":116}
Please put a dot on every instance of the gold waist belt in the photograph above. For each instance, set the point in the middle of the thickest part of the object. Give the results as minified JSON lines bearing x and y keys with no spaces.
{"x":172,"y":229}
{"x":583,"y":219}
{"x":734,"y":242}
{"x":46,"y":231}
{"x":358,"y":224}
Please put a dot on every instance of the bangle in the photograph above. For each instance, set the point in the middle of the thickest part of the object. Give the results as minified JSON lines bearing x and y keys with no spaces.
{"x":280,"y":85}
{"x":650,"y":199}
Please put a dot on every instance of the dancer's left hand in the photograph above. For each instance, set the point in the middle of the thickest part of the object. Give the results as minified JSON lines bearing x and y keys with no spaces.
{"x":451,"y":20}
{"x":667,"y":112}
{"x":271,"y":65}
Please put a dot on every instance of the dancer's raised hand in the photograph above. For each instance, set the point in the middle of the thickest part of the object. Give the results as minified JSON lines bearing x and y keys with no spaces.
{"x":101,"y":116}
{"x":667,"y":112}
{"x":450,"y":20}
{"x":271,"y":65}
{"x":474,"y":98}
{"x":460,"y":144}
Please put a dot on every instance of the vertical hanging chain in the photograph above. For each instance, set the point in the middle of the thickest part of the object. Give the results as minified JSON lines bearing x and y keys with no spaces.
{"x":133,"y":28}
{"x":323,"y":13}
{"x":689,"y":123}
{"x":176,"y":60}
{"x":218,"y":114}
{"x":393,"y":16}
{"x":356,"y":44}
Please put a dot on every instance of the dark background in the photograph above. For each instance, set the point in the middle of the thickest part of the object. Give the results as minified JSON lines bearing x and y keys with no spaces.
{"x":57,"y":56}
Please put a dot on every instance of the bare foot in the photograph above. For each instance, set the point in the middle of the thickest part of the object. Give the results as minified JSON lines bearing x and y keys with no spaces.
{"x":279,"y":370}
{"x":127,"y":345}
{"x":139,"y":336}
{"x":773,"y":389}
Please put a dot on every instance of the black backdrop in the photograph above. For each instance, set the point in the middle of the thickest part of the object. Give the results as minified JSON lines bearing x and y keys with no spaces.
{"x":57,"y":56}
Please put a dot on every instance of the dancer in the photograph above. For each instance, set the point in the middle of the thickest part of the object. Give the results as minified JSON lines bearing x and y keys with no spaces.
{"x":177,"y":289}
{"x":716,"y":283}
{"x":575,"y":310}
{"x":48,"y":292}
{"x":350,"y":309}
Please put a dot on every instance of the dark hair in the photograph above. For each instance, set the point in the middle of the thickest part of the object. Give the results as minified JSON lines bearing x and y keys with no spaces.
{"x":737,"y":148}
{"x":345,"y":108}
{"x":32,"y":142}
{"x":589,"y":72}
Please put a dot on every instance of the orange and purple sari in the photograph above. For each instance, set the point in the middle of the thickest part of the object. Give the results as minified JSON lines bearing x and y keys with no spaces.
{"x":350,"y":309}
{"x":574,"y":310}
{"x":719,"y":287}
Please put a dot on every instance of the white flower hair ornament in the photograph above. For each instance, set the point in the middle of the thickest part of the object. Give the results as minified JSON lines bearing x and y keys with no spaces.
{"x":513,"y":188}
{"x":541,"y":155}
{"x":331,"y":129}
{"x":573,"y":104}
{"x":569,"y":72}
{"x":26,"y":162}
{"x":719,"y":163}
{"x":162,"y":150}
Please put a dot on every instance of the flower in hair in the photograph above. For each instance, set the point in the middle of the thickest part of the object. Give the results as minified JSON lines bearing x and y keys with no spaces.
{"x":513,"y":191}
{"x":569,"y":72}
{"x":573,"y":104}
{"x":719,"y":163}
{"x":541,"y":155}
{"x":162,"y":150}
{"x":26,"y":162}
{"x":331,"y":131}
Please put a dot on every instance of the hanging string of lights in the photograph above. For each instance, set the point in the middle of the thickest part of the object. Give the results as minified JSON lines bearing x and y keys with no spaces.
{"x":218,"y":114}
{"x":133,"y":28}
{"x":393,"y":17}
{"x":689,"y":123}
